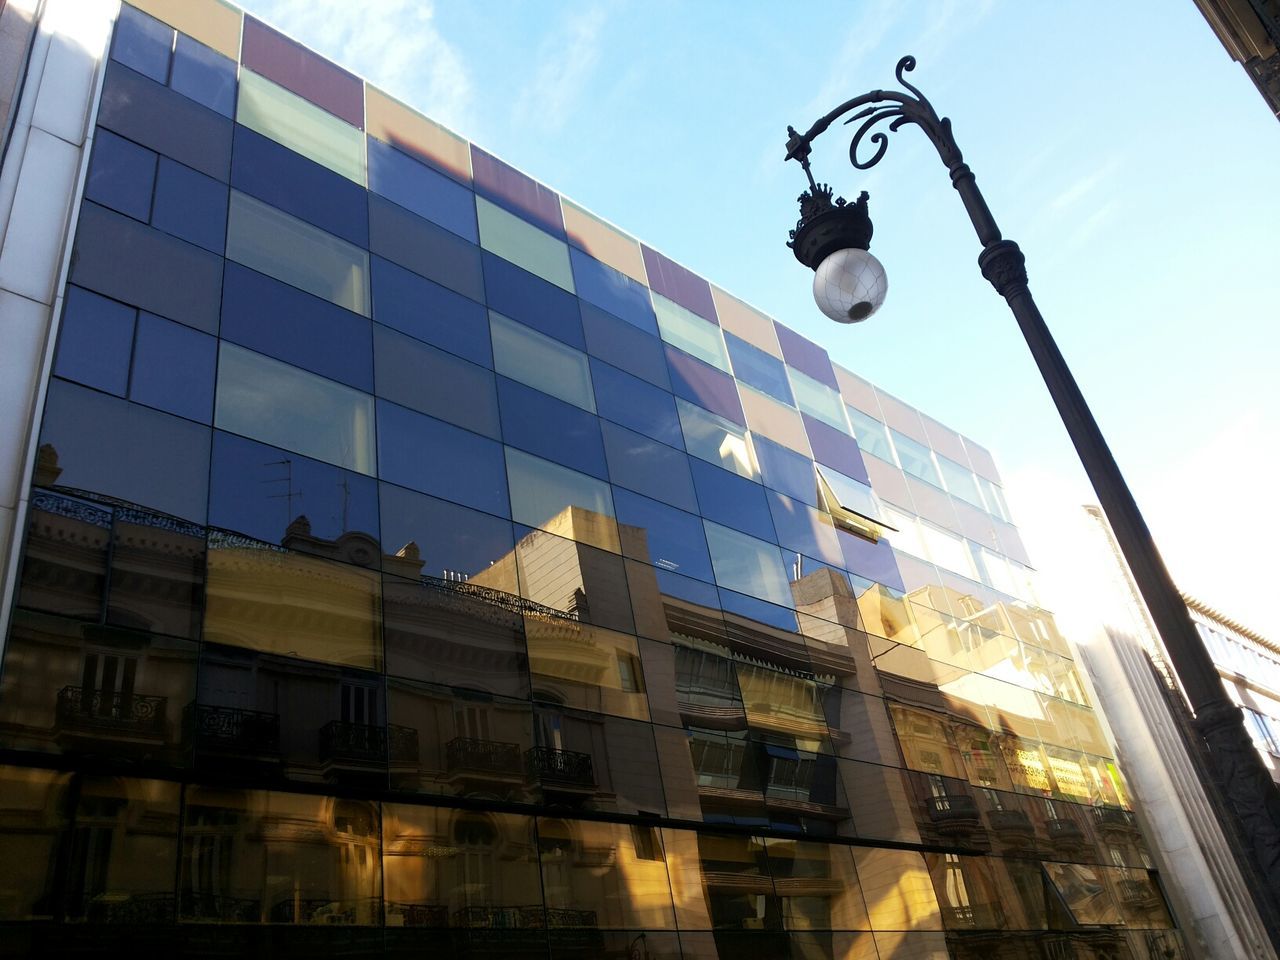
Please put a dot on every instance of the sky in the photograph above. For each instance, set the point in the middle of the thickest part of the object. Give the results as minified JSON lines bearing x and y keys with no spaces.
{"x":1118,"y":144}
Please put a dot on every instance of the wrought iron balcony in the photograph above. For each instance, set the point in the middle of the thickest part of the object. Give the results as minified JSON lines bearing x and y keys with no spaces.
{"x":522,"y":918}
{"x":232,"y":728}
{"x":1137,"y":893}
{"x":106,"y":712}
{"x":366,"y":743}
{"x":560,"y":767}
{"x":953,"y":812}
{"x":1011,"y":825}
{"x":468,"y":755}
{"x":974,"y":916}
{"x":1065,"y":832}
{"x":1115,"y":818}
{"x":419,"y":914}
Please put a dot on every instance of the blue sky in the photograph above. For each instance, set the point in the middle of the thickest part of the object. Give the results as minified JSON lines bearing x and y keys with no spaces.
{"x":1117,"y":143}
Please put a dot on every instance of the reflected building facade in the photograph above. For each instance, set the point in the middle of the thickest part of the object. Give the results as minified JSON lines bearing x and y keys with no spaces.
{"x":405,"y":561}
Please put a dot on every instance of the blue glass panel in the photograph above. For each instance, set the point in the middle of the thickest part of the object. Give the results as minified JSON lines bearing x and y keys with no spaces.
{"x":704,"y":385}
{"x":758,"y":610}
{"x":174,"y":368}
{"x":673,"y":540}
{"x":281,"y":497}
{"x":697,"y":592}
{"x":753,"y":366}
{"x":648,"y":467}
{"x":421,"y":189}
{"x":96,"y":341}
{"x":871,"y":561}
{"x":434,"y":457}
{"x":520,"y":295}
{"x":143,"y":43}
{"x":121,"y":175}
{"x":430,"y":312}
{"x":286,"y":180}
{"x":453,"y":542}
{"x":835,"y":448}
{"x":622,"y":345}
{"x":191,"y":206}
{"x":426,"y":249}
{"x":804,"y":529}
{"x":167,"y":122}
{"x":204,"y":75}
{"x":633,"y":403}
{"x":612,"y":291}
{"x":431,"y":381}
{"x":289,"y":324}
{"x":732,"y":500}
{"x":787,"y":471}
{"x":121,"y":449}
{"x":542,"y":425}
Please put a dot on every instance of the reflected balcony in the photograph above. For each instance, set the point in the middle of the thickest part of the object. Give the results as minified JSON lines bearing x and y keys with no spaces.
{"x":483,"y":761}
{"x":1065,"y":833}
{"x":356,"y":750}
{"x":416,"y":914}
{"x":954,"y":813}
{"x":97,"y":715}
{"x":974,"y":916}
{"x":1138,"y":894}
{"x":564,"y":770}
{"x":1115,"y":820}
{"x":499,"y":931}
{"x":1012,"y":827}
{"x":232,"y":733}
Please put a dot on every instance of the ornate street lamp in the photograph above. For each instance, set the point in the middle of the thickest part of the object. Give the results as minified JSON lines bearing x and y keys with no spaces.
{"x":832,"y":238}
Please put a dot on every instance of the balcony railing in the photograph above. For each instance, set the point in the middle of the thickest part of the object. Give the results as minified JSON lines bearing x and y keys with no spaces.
{"x":232,"y":728}
{"x":560,"y":767}
{"x":1064,"y":831}
{"x":522,"y":918}
{"x":106,"y":711}
{"x":1114,"y":818}
{"x":953,"y":812}
{"x":467,"y":755}
{"x":1011,"y":824}
{"x":1137,"y":893}
{"x":974,"y":916}
{"x":367,"y":743}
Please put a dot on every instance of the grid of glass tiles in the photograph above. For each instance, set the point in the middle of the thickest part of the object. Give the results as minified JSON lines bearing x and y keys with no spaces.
{"x":564,"y":604}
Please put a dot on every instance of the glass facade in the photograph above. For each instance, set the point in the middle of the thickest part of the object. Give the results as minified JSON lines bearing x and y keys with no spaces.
{"x":431,"y":569}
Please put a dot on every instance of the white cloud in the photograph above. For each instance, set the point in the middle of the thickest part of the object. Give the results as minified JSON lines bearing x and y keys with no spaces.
{"x":566,"y":63}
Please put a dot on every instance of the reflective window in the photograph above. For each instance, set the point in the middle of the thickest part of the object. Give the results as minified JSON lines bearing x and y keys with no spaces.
{"x":289,"y":63}
{"x":541,"y":362}
{"x":190,"y":205}
{"x":915,"y":458}
{"x":434,"y":382}
{"x":550,"y":428}
{"x":716,"y":440}
{"x":818,"y":400}
{"x":678,"y":284}
{"x":806,"y":356}
{"x":430,"y":312}
{"x":948,"y":550}
{"x":634,"y":403}
{"x":426,"y":249}
{"x":848,"y":494}
{"x":121,"y":175}
{"x":871,"y":434}
{"x":204,"y":75}
{"x":668,"y":538}
{"x":695,"y":336}
{"x":301,"y":126}
{"x":747,"y":565}
{"x":38,"y":797}
{"x":585,"y":666}
{"x":278,"y":404}
{"x":786,"y":471}
{"x":613,"y":291}
{"x":516,"y":293}
{"x":419,"y":188}
{"x":444,"y":540}
{"x":648,"y":467}
{"x":960,"y":480}
{"x":753,"y":366}
{"x":835,"y":448}
{"x":143,"y":43}
{"x":517,"y":191}
{"x":805,"y":530}
{"x":733,"y":500}
{"x":95,"y":342}
{"x":704,"y":385}
{"x":173,"y":368}
{"x":625,"y":347}
{"x":543,"y":493}
{"x":271,"y":242}
{"x":994,"y":498}
{"x":524,"y":244}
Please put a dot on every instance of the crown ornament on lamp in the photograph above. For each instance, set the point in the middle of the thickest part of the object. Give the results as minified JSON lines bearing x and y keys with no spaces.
{"x":831,"y":238}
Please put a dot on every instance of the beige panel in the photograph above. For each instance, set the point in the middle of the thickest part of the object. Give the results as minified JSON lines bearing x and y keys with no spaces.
{"x":777,"y":421}
{"x":746,"y":322}
{"x":604,"y":242}
{"x":902,"y":417}
{"x":975,"y":524}
{"x":932,"y":504}
{"x":981,"y":461}
{"x":394,"y":123}
{"x":212,"y":22}
{"x":887,"y":481}
{"x":858,"y":392}
{"x":943,"y":439}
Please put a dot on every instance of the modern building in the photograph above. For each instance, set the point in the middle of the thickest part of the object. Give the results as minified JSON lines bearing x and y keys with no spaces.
{"x":402,"y":560}
{"x":1250,"y":32}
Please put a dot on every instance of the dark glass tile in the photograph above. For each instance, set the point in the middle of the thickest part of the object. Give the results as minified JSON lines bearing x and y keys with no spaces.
{"x":156,"y":580}
{"x":835,"y":449}
{"x":122,"y":175}
{"x":803,"y":529}
{"x":124,"y":259}
{"x":622,"y":345}
{"x":520,"y":295}
{"x":871,"y":561}
{"x":174,"y":368}
{"x":275,"y":174}
{"x":204,"y":75}
{"x":191,"y":206}
{"x":679,"y":284}
{"x":732,"y":500}
{"x":546,"y":427}
{"x":430,"y":312}
{"x":806,"y":356}
{"x":165,"y":121}
{"x":614,"y":292}
{"x":633,"y":403}
{"x":428,"y":380}
{"x":648,"y":467}
{"x":704,"y":385}
{"x":422,"y":189}
{"x":448,"y":541}
{"x":517,"y":192}
{"x":669,"y":539}
{"x":426,"y":249}
{"x":290,"y":64}
{"x":426,"y":454}
{"x":288,"y":324}
{"x":758,"y":369}
{"x":143,"y":43}
{"x":280,"y":497}
{"x":757,"y":610}
{"x":65,"y":558}
{"x":786,"y":471}
{"x":120,"y":449}
{"x":95,"y":341}
{"x":698,"y":592}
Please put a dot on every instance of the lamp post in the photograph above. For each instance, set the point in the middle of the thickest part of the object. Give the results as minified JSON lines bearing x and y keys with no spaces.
{"x":832,"y":238}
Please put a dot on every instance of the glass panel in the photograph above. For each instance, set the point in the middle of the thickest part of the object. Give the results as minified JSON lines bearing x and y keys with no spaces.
{"x":649,"y":467}
{"x":561,"y":501}
{"x":915,"y":458}
{"x":625,"y":347}
{"x":516,"y":190}
{"x":602,"y":240}
{"x":421,"y":189}
{"x":636,"y":404}
{"x":289,"y":63}
{"x":319,"y":609}
{"x":278,"y":404}
{"x":787,"y":471}
{"x":585,"y":666}
{"x":541,"y":362}
{"x":948,"y":551}
{"x":34,"y":798}
{"x":524,"y":244}
{"x":717,"y":440}
{"x":434,"y":382}
{"x":430,"y":312}
{"x":818,"y":400}
{"x":732,"y":500}
{"x":95,"y":342}
{"x":426,"y":249}
{"x":753,"y":366}
{"x":768,"y":418}
{"x":281,"y":246}
{"x":1086,"y":894}
{"x":663,"y":536}
{"x":805,"y":530}
{"x":705,"y":385}
{"x":121,"y":175}
{"x":899,"y":894}
{"x":835,"y":448}
{"x":851,"y":494}
{"x":870,"y":433}
{"x":613,"y":291}
{"x":818,"y":886}
{"x":204,"y":75}
{"x":190,"y":205}
{"x":173,"y":368}
{"x":567,"y":577}
{"x":746,"y":322}
{"x":748,"y":565}
{"x":678,"y":284}
{"x":143,"y":43}
{"x":695,"y":336}
{"x":393,"y":122}
{"x":806,"y":356}
{"x":525,"y":297}
{"x":549,"y":428}
{"x":301,"y":126}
